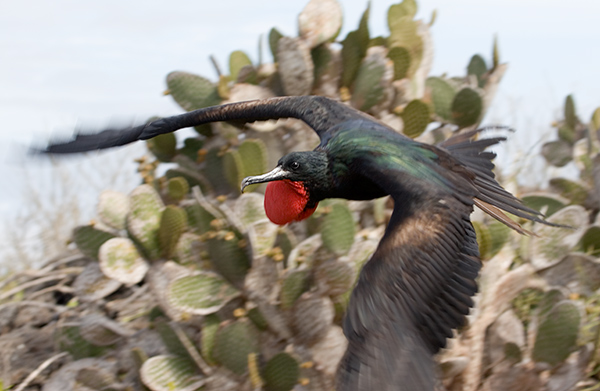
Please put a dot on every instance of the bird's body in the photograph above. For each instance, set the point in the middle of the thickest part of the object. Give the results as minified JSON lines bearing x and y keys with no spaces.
{"x":417,"y":286}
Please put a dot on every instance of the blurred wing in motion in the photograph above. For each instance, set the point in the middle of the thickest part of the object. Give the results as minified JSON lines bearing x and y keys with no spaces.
{"x":318,"y":112}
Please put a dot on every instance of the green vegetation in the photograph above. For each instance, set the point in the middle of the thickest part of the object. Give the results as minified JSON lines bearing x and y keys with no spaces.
{"x":208,"y":293}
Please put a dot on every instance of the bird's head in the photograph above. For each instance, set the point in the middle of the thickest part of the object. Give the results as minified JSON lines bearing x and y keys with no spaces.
{"x":296,"y":185}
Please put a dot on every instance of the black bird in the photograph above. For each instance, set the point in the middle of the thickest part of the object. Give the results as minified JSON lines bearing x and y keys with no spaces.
{"x":417,"y":286}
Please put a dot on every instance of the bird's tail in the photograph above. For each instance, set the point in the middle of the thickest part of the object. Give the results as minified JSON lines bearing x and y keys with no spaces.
{"x":492,"y":198}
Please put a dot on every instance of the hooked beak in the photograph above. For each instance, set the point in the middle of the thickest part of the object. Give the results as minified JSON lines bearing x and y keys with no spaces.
{"x":276,"y":174}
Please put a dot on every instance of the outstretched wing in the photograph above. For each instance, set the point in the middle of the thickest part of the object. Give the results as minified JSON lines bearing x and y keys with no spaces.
{"x":318,"y":112}
{"x":417,"y":286}
{"x":410,"y":295}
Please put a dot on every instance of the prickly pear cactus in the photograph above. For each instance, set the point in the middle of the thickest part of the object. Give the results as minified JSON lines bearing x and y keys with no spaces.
{"x":112,"y":209}
{"x":89,"y":239}
{"x":191,"y":91}
{"x":173,"y":223}
{"x":337,"y":228}
{"x":201,"y":294}
{"x":199,"y":290}
{"x":120,"y":260}
{"x":556,"y":336}
{"x":233,"y":343}
{"x":281,"y":373}
{"x":165,"y":373}
{"x":143,"y":220}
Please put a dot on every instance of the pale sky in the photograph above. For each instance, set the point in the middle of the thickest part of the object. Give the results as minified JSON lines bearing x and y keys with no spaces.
{"x":65,"y":62}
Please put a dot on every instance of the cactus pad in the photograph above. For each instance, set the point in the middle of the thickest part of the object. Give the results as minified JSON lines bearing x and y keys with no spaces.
{"x":214,"y":171}
{"x":570,"y":114}
{"x":367,"y":89}
{"x":229,"y":258}
{"x":338,"y":229}
{"x":320,"y":21}
{"x":121,"y":261}
{"x":337,"y":277}
{"x":237,"y":61}
{"x":499,"y":236}
{"x":144,"y":216}
{"x":400,"y":10}
{"x":553,"y":243}
{"x":209,"y":333}
{"x":590,"y":241}
{"x":404,"y":32}
{"x":173,"y":223}
{"x":201,"y":215}
{"x":442,"y":95}
{"x":484,"y":239}
{"x":253,"y":153}
{"x":187,"y":248}
{"x":191,"y":147}
{"x":294,"y":285}
{"x":295,"y":66}
{"x":558,"y":153}
{"x":478,"y":68}
{"x":281,"y":373}
{"x":112,"y":208}
{"x":89,"y":239}
{"x":233,"y":343}
{"x":274,"y":36}
{"x":312,"y":316}
{"x":163,"y":146}
{"x":191,"y":91}
{"x":168,"y":373}
{"x":201,"y":294}
{"x":249,"y":207}
{"x":467,"y":107}
{"x":415,"y":117}
{"x":177,"y":188}
{"x":401,"y":58}
{"x":234,"y":168}
{"x":262,"y":235}
{"x":557,"y":334}
{"x":352,"y":55}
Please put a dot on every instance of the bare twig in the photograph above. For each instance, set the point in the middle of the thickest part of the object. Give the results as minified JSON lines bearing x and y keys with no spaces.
{"x":30,"y":284}
{"x":191,"y":349}
{"x":57,"y":308}
{"x":213,"y":60}
{"x":39,"y":370}
{"x":59,"y":288}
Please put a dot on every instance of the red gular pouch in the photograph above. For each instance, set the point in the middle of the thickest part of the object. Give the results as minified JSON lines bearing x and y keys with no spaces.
{"x":285,"y":201}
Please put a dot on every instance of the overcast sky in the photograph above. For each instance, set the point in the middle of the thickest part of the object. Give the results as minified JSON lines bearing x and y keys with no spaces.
{"x":65,"y":62}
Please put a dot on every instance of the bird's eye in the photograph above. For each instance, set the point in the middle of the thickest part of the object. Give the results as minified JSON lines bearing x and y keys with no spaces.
{"x":294,"y":165}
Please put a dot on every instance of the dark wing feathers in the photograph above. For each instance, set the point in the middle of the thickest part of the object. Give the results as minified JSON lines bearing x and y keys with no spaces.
{"x":320,"y":113}
{"x":401,"y":314}
{"x":418,"y":286}
{"x":492,"y":198}
{"x":415,"y":289}
{"x":108,"y":138}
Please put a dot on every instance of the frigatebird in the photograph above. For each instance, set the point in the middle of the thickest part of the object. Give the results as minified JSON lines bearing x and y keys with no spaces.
{"x":417,"y":286}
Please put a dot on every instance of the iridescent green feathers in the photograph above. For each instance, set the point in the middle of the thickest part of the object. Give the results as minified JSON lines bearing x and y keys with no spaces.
{"x":386,"y":150}
{"x":458,"y":166}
